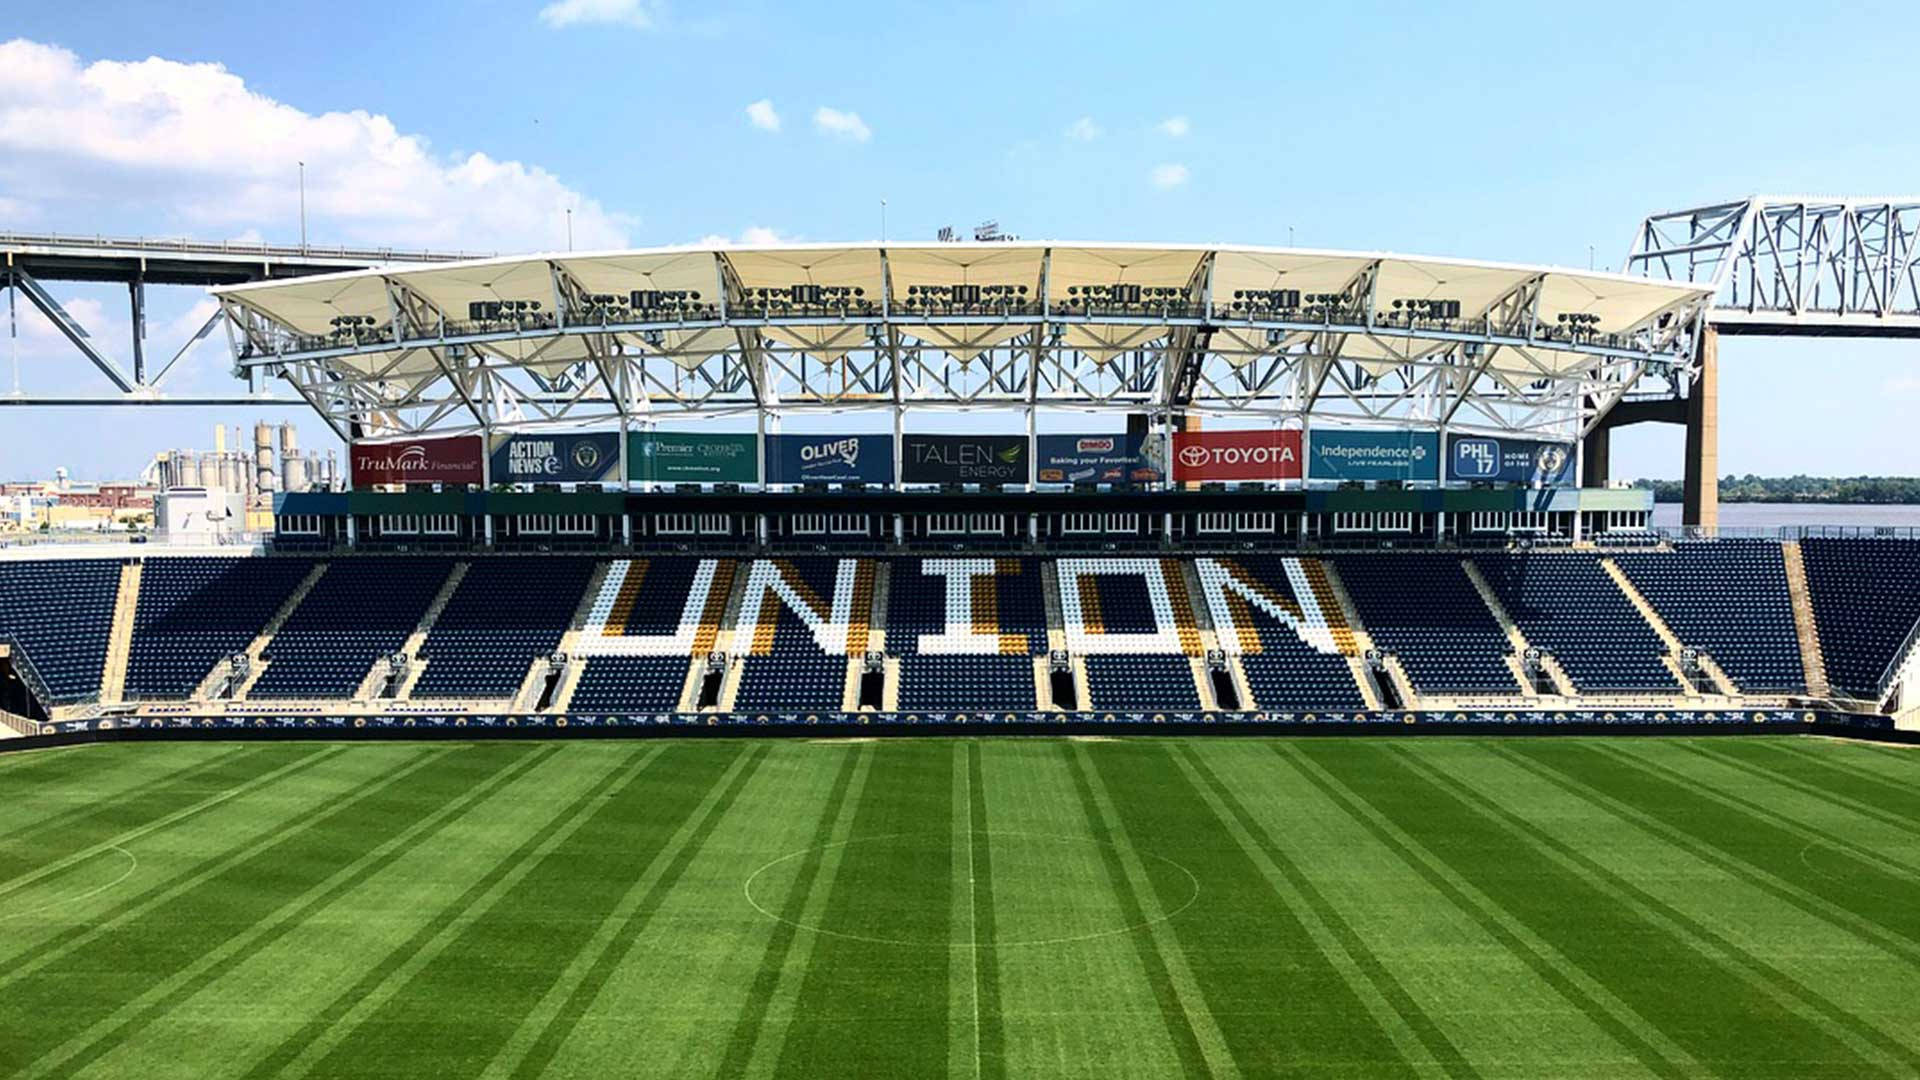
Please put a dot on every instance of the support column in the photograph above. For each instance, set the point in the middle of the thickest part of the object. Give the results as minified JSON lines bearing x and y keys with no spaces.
{"x":137,"y":291}
{"x":1701,"y":493}
{"x":1595,"y":450}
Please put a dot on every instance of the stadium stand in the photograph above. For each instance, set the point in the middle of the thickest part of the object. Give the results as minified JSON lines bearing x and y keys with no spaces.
{"x":1423,"y":609}
{"x":966,"y":631}
{"x":1567,"y":605}
{"x":507,"y":611}
{"x":60,"y":612}
{"x":1294,"y":653}
{"x":1866,"y":600}
{"x":195,"y":612}
{"x":1729,"y":598}
{"x":630,"y":684}
{"x":364,"y":608}
{"x":799,"y":622}
{"x":1141,"y":683}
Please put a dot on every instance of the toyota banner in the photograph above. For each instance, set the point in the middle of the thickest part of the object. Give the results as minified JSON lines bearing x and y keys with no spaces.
{"x":1119,"y":460}
{"x":1525,"y":462}
{"x":963,"y":459}
{"x":829,"y":459}
{"x":1236,"y":455}
{"x":457,"y":460}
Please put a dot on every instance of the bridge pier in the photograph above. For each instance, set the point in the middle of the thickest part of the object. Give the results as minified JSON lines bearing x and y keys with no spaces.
{"x":1594,"y":452}
{"x":1700,"y":495}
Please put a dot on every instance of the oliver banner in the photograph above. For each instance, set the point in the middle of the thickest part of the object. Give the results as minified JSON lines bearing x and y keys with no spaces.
{"x":1339,"y":454}
{"x":673,"y":457}
{"x":555,"y":459}
{"x":963,"y":459}
{"x":1527,"y":462}
{"x":1100,"y":459}
{"x":458,"y":460}
{"x":1236,"y":455}
{"x":829,"y":459}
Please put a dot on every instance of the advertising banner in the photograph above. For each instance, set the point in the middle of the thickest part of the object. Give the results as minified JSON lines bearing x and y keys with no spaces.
{"x":1100,"y":459}
{"x":555,"y":459}
{"x":829,"y":459}
{"x":458,"y":460}
{"x":964,"y":459}
{"x":1527,"y":462}
{"x":673,"y":457}
{"x":1236,"y":455}
{"x":1336,"y":454}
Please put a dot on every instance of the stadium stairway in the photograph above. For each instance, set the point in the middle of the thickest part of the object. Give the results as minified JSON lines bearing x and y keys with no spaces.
{"x":535,"y":681}
{"x":113,"y":678}
{"x":1811,"y":658}
{"x":1057,"y":642}
{"x":1210,"y":644}
{"x":1353,"y":638}
{"x":15,"y":726}
{"x":1667,"y":637}
{"x":1563,"y":686}
{"x":723,"y":641}
{"x":255,"y":665}
{"x":416,"y":666}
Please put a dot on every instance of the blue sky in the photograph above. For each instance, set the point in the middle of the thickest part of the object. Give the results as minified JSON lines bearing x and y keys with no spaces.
{"x":1509,"y":132}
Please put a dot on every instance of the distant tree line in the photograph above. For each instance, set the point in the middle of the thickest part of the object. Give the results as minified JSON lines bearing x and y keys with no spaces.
{"x":1884,"y":490}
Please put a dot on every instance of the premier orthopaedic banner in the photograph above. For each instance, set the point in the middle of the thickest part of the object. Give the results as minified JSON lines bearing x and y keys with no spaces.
{"x":457,"y":460}
{"x":1236,"y":455}
{"x":673,"y":457}
{"x":963,"y":459}
{"x":555,"y":459}
{"x":1528,"y":462}
{"x":1100,"y":459}
{"x":829,"y":459}
{"x":1335,"y":454}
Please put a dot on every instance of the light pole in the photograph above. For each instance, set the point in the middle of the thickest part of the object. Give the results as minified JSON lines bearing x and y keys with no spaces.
{"x":303,"y":206}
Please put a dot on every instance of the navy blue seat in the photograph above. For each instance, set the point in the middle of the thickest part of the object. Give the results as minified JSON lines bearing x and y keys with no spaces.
{"x":616,"y":684}
{"x":1565,"y":603}
{"x":1866,"y":599}
{"x":506,"y":611}
{"x":60,"y":613}
{"x":1422,"y":608}
{"x":195,"y":612}
{"x":362,"y":608}
{"x":1728,"y":597}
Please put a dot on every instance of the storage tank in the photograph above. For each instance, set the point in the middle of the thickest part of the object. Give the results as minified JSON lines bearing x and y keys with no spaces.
{"x":264,"y":476}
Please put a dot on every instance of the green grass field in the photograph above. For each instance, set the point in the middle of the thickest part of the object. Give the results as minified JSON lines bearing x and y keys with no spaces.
{"x":992,"y":907}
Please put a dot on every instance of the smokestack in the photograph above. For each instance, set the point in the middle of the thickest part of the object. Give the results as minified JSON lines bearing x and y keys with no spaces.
{"x":264,"y":481}
{"x":219,"y":438}
{"x":290,"y":460}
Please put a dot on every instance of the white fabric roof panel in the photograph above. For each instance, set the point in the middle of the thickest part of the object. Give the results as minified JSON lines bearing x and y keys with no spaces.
{"x":308,"y":305}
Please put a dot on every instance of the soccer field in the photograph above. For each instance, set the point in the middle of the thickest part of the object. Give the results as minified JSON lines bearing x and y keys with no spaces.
{"x":986,"y":907}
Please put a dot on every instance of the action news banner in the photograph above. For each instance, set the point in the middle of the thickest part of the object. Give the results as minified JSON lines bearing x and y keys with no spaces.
{"x":1236,"y":455}
{"x":557,"y":459}
{"x":964,"y":459}
{"x":457,"y":460}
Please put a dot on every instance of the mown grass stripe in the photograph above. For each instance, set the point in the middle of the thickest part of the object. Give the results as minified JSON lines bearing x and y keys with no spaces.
{"x":869,"y":1007}
{"x":44,"y":953}
{"x":1739,"y":845}
{"x":300,"y":764}
{"x":1716,"y":791}
{"x":335,"y":1023}
{"x":984,"y":1053}
{"x":836,"y":818}
{"x":1417,"y":1037}
{"x":1195,"y":1032}
{"x":89,"y":802}
{"x":540,"y":1036}
{"x":1798,"y":1010}
{"x":1634,"y":1032}
{"x":103,"y":1036}
{"x":1886,"y":803}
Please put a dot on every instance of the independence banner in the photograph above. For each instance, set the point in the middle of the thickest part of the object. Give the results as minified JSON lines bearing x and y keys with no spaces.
{"x":1337,"y":454}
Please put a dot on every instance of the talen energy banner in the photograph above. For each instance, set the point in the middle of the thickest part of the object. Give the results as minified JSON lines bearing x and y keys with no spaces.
{"x":1526,"y":462}
{"x":673,"y":457}
{"x":1100,"y":459}
{"x":829,"y":459}
{"x":457,"y":460}
{"x":1336,"y":454}
{"x":1236,"y":455}
{"x":964,"y":459}
{"x":555,"y":459}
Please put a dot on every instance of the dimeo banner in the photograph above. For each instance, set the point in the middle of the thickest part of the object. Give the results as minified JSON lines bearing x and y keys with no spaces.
{"x":672,"y":457}
{"x":1236,"y":455}
{"x":964,"y":459}
{"x":829,"y":459}
{"x":458,"y":460}
{"x":1100,"y":459}
{"x":1373,"y":455}
{"x":555,"y":459}
{"x":1527,"y":462}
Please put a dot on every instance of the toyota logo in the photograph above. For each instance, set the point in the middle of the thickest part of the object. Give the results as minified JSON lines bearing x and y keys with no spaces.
{"x":1193,"y":457}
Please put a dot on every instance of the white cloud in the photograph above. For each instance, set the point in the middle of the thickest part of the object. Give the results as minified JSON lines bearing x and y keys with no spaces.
{"x":761,"y":115}
{"x":1175,"y":126}
{"x":1168,"y":176}
{"x":1901,"y":386}
{"x":1083,"y":130}
{"x":841,"y":125}
{"x":636,"y":14}
{"x":80,"y":140}
{"x":752,"y":234}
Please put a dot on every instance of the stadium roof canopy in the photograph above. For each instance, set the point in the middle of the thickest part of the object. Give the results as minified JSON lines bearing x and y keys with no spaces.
{"x":1276,"y":336}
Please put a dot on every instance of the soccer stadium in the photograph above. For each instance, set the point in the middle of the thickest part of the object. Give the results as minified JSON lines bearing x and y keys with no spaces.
{"x":975,"y":659}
